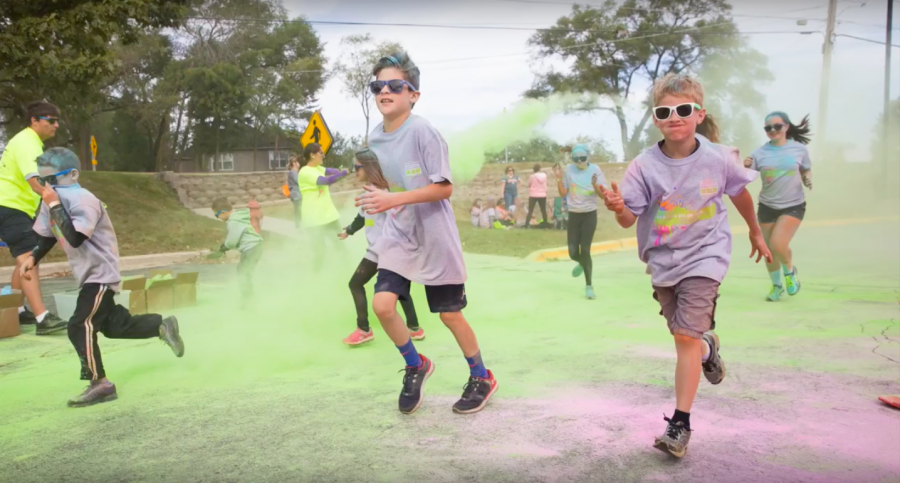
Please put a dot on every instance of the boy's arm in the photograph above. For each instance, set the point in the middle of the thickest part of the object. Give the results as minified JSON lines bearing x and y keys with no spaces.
{"x":744,"y":204}
{"x":74,"y":231}
{"x":233,"y":235}
{"x":357,"y":225}
{"x":45,"y":244}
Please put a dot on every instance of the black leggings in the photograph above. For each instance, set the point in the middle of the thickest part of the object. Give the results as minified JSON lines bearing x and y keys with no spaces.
{"x":581,"y":234}
{"x":364,"y":272}
{"x":531,"y":202}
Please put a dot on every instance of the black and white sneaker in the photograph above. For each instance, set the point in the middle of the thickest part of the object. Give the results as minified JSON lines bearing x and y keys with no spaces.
{"x":675,"y":440}
{"x":27,"y":318}
{"x":413,"y":391}
{"x":51,"y":325}
{"x":714,"y":367}
{"x":476,"y":394}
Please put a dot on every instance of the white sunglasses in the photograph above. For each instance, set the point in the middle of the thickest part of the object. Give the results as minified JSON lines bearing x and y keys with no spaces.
{"x":684,"y":111}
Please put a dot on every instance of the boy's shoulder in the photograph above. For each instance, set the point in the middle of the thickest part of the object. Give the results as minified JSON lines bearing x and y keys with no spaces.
{"x":78,"y":195}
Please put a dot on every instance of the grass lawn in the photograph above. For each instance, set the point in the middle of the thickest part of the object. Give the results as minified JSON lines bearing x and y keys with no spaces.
{"x":518,"y":242}
{"x":147,"y":217}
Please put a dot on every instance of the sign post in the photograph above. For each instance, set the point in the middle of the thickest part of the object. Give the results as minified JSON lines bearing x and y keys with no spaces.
{"x":317,"y":132}
{"x":93,"y":154}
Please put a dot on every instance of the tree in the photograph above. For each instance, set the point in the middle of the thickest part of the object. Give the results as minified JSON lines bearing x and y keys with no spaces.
{"x":613,"y":50}
{"x":342,"y":150}
{"x":600,"y":152}
{"x":355,"y":71}
{"x":61,"y":51}
{"x":535,"y":150}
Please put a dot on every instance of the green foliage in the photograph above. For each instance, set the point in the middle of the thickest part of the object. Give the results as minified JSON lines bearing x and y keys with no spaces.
{"x":614,"y":50}
{"x":342,"y":149}
{"x":537,"y":150}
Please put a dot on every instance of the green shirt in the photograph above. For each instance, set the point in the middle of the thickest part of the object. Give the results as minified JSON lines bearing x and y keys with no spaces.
{"x":317,"y":208}
{"x":17,"y":166}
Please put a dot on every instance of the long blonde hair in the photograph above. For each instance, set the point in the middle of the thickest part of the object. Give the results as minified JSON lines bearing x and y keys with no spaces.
{"x":369,"y":161}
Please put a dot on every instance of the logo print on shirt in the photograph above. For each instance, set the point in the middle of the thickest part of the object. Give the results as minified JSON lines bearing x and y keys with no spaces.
{"x":708,"y":187}
{"x":673,"y":215}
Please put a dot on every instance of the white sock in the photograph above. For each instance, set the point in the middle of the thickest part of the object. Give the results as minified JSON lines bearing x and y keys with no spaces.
{"x":21,"y":309}
{"x":706,"y":351}
{"x":40,"y":318}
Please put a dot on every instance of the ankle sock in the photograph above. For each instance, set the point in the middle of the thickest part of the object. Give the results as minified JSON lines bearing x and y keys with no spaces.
{"x":707,"y":350}
{"x":776,"y":278}
{"x":408,"y":351}
{"x":683,"y":417}
{"x":476,"y":366}
{"x":784,"y":268}
{"x":40,"y":318}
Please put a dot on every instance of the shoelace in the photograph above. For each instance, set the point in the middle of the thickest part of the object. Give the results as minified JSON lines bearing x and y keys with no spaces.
{"x":409,"y":379}
{"x":472,"y":386}
{"x":673,"y":431}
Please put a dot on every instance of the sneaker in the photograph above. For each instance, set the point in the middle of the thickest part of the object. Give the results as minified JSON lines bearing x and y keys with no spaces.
{"x":577,"y":271}
{"x":714,"y":367}
{"x":27,"y":318}
{"x":413,"y":391}
{"x":168,"y":333}
{"x":476,"y":393}
{"x":675,"y":440}
{"x":358,"y":337}
{"x":589,"y":292}
{"x":418,"y":334}
{"x":792,"y":283}
{"x":775,"y":294}
{"x":94,"y":394}
{"x":51,"y":325}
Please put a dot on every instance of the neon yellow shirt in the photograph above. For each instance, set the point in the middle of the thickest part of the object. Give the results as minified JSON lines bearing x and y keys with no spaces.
{"x":316,"y":209}
{"x":17,"y":166}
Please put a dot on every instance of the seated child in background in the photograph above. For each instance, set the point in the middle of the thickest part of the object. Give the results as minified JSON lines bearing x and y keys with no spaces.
{"x":475,"y":212}
{"x":488,"y":215}
{"x":504,"y":217}
{"x":561,"y":213}
{"x":79,"y":220}
{"x":241,"y":236}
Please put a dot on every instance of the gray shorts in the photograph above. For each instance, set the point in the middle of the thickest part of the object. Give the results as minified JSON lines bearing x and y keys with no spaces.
{"x":690,"y":306}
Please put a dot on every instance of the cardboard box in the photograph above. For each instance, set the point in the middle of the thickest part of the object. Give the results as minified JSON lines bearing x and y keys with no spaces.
{"x":9,"y":314}
{"x":160,"y":294}
{"x":185,"y":290}
{"x":133,"y":295}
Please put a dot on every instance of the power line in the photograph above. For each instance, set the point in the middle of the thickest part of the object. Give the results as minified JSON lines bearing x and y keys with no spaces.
{"x":879,"y":42}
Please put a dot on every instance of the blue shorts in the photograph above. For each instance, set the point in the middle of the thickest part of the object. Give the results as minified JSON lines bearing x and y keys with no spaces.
{"x":442,"y":299}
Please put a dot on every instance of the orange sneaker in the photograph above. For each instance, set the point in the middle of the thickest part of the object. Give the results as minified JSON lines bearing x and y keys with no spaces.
{"x":417,"y":335}
{"x":358,"y":337}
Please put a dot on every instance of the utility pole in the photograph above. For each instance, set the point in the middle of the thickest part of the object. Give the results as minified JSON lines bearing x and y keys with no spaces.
{"x":886,"y":133}
{"x":826,"y":74}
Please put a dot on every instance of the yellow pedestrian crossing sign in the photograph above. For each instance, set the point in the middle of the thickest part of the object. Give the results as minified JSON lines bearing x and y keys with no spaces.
{"x":94,"y":151}
{"x":317,"y":132}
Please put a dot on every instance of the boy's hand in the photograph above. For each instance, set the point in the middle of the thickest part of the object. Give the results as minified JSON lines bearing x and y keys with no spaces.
{"x":760,"y":250}
{"x":748,"y":161}
{"x":49,"y":195}
{"x":343,"y":235}
{"x":26,"y":267}
{"x":612,"y":198}
{"x":375,"y":200}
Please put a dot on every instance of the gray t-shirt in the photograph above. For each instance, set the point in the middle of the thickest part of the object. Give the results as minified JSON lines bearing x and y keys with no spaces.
{"x":374,"y":226}
{"x":293,"y":185}
{"x":581,"y":196}
{"x":421,"y":241}
{"x":97,"y":259}
{"x":780,"y":168}
{"x":682,"y":227}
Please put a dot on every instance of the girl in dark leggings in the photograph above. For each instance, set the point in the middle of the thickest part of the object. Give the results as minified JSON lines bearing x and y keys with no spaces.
{"x":368,"y":171}
{"x":579,"y":184}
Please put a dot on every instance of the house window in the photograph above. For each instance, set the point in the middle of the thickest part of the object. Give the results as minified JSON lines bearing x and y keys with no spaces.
{"x":226,"y":162}
{"x":279,"y":160}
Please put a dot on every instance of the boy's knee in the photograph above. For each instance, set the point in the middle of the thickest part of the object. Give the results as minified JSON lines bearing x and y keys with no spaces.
{"x":452,"y":318}
{"x":685,"y":340}
{"x":384,"y":307}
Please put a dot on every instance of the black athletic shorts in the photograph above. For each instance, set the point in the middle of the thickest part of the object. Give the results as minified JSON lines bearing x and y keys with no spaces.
{"x":766,"y":214}
{"x":17,"y":231}
{"x":442,"y":299}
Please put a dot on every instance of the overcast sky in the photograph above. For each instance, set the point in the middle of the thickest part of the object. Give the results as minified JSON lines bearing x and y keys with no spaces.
{"x":458,"y":93}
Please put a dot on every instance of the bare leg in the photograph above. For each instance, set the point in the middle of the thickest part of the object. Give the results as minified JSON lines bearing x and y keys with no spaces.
{"x":31,"y":288}
{"x":687,"y":371}
{"x":385,"y":307}
{"x":767,"y":234}
{"x":782,"y":233}
{"x":465,"y":336}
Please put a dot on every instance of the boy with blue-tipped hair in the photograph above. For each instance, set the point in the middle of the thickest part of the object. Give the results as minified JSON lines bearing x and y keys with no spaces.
{"x":75,"y":218}
{"x":419,"y":240}
{"x":675,"y":191}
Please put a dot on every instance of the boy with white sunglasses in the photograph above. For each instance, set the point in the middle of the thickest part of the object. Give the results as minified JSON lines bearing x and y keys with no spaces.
{"x":673,"y":191}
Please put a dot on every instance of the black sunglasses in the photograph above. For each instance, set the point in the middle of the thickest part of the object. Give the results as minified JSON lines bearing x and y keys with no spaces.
{"x":395,"y":85}
{"x":579,"y":159}
{"x":52,"y":179}
{"x":777,"y":127}
{"x":51,"y":120}
{"x":357,"y":167}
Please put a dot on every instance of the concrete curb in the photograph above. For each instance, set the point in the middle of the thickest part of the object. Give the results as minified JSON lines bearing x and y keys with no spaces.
{"x":562,"y":253}
{"x":138,"y":262}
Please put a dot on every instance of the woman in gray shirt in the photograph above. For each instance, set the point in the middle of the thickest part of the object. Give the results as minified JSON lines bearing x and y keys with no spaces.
{"x":294,"y":187}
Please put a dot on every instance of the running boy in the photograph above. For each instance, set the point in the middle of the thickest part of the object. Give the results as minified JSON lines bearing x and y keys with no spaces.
{"x":75,"y":217}
{"x":369,"y":172}
{"x":674,"y":191}
{"x":241,"y":237}
{"x":419,"y":242}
